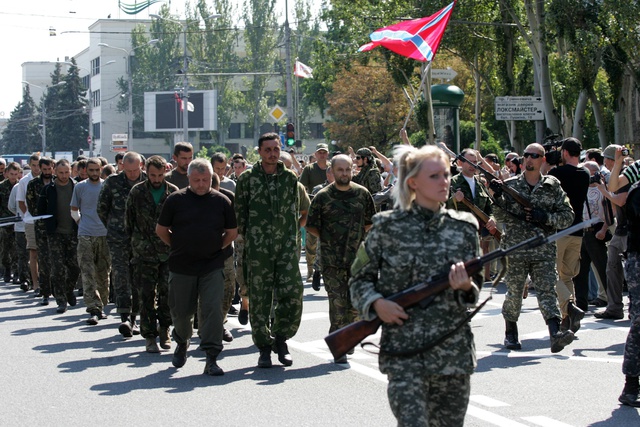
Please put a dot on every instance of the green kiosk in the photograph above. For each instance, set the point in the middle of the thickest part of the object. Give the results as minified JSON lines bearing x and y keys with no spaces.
{"x":446,"y":101}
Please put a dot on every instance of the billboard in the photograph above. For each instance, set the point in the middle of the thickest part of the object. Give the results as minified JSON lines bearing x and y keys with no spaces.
{"x":163,"y":111}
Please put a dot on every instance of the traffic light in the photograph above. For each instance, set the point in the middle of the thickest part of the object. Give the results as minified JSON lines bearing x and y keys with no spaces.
{"x":290,"y":137}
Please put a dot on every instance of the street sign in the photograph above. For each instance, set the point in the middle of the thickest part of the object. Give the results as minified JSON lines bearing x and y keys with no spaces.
{"x":119,"y":142}
{"x":519,"y":108}
{"x":276,"y":113}
{"x":446,"y":74}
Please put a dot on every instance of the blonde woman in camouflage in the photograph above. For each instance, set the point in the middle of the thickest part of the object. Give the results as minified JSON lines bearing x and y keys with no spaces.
{"x":427,"y":351}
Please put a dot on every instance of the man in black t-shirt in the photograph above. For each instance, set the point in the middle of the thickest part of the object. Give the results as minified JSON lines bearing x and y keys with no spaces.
{"x":575,"y":182}
{"x":198,"y":223}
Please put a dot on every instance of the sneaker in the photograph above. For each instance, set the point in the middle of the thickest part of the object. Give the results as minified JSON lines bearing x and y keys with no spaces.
{"x":233,"y":311}
{"x":135,"y":328}
{"x":93,"y":319}
{"x":226,"y":335}
{"x":24,"y":287}
{"x":151,"y":346}
{"x":243,"y":316}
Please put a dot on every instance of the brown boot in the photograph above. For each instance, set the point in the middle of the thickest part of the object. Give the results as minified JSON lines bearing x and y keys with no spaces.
{"x":165,"y":338}
{"x":151,"y":346}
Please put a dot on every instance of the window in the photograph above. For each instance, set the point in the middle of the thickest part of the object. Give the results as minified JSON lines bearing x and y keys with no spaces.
{"x":96,"y":131}
{"x":316,"y":130}
{"x":85,"y":81}
{"x":234,"y":131}
{"x":95,"y":66}
{"x":95,"y":96}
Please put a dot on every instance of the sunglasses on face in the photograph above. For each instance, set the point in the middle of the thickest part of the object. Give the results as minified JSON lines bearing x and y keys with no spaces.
{"x":532,"y":155}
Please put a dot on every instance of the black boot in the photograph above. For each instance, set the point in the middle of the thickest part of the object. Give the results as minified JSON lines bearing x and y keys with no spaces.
{"x":315,"y":283}
{"x":559,"y":339}
{"x":630,"y":395}
{"x":211,"y":366}
{"x":280,"y":347}
{"x":7,"y":275}
{"x":180,"y":355}
{"x":575,"y":316}
{"x":265,"y":358}
{"x":125,"y":328}
{"x":511,"y":336}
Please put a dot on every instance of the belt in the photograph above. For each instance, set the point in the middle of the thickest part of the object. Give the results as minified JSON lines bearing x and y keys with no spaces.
{"x":596,"y":228}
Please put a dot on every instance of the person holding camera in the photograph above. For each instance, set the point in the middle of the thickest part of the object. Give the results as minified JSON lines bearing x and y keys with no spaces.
{"x":594,"y":241}
{"x":575,"y":182}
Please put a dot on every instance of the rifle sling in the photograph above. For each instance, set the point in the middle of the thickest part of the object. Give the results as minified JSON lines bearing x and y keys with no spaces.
{"x":435,"y":342}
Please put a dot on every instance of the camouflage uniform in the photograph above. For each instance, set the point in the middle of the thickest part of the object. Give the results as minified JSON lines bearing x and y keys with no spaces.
{"x":340,"y":218}
{"x":267,"y":208}
{"x":149,"y":257}
{"x":7,"y":234}
{"x":111,"y":210}
{"x":369,"y":177}
{"x":62,"y":247}
{"x":309,"y":179}
{"x":428,"y":384}
{"x":32,"y":196}
{"x":631,"y":361}
{"x":305,"y":202}
{"x":540,"y":262}
{"x":482,"y":199}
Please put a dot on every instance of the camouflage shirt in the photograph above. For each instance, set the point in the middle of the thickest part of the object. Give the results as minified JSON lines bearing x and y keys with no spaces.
{"x":403,"y":249}
{"x":34,"y":189}
{"x":141,"y":217}
{"x":5,"y":191}
{"x":547,"y":195}
{"x":111,"y":204}
{"x":267,"y":208}
{"x":369,"y":177}
{"x":340,"y":218}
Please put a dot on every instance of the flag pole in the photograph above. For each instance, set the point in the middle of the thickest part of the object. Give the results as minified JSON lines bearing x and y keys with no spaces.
{"x":425,"y":73}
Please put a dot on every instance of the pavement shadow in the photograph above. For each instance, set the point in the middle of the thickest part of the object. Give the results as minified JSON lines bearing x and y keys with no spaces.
{"x":621,"y":416}
{"x":165,"y":379}
{"x":612,"y":350}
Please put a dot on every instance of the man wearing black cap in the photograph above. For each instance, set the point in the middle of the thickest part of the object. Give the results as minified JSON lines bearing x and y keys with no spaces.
{"x":369,"y":175}
{"x":314,"y":174}
{"x":575,"y":182}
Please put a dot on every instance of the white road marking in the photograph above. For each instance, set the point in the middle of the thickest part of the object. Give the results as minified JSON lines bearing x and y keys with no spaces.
{"x":545,"y":422}
{"x":487,"y":401}
{"x":513,"y":354}
{"x":490,"y":417}
{"x":314,"y":315}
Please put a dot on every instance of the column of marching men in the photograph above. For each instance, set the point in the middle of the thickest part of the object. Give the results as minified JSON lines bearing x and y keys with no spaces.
{"x":172,"y":243}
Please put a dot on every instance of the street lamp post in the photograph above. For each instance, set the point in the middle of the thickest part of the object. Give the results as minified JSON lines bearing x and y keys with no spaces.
{"x":185,"y":75}
{"x":45,"y":91}
{"x":129,"y":83}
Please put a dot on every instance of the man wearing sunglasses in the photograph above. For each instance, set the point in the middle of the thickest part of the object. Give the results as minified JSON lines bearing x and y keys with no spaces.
{"x":551,"y":208}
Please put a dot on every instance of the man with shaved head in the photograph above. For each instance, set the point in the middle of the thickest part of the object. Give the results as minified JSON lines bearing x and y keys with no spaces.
{"x":339,"y":216}
{"x":551,"y":210}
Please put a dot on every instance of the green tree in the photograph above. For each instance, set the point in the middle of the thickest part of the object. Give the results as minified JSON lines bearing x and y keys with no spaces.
{"x":21,"y":134}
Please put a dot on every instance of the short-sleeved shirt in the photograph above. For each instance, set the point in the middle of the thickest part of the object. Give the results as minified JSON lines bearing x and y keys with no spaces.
{"x":180,"y":180}
{"x":312,"y":175}
{"x":85,"y":198}
{"x":197,"y":225}
{"x":340,"y":217}
{"x":633,"y":172}
{"x":21,"y":195}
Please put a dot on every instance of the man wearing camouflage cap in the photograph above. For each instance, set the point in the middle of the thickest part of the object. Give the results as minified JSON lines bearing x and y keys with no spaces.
{"x":369,"y":175}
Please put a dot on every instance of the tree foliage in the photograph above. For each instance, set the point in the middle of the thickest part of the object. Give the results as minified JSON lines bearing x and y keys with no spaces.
{"x":21,"y":134}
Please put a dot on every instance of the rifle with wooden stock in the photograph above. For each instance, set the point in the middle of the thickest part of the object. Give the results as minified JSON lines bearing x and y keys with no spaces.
{"x":484,"y":218}
{"x":344,"y":339}
{"x":490,"y":177}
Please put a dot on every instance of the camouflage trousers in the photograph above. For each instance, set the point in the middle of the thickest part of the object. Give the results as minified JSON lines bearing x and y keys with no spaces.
{"x":44,"y":261}
{"x":64,"y":264}
{"x":544,"y":276}
{"x":428,"y":400}
{"x":126,"y":300}
{"x":8,"y":245}
{"x":22,"y":256}
{"x":151,"y":282}
{"x":229,"y":272}
{"x":94,"y":261}
{"x":341,"y":312}
{"x":238,"y":254}
{"x":631,"y":361}
{"x":274,"y":274}
{"x":310,"y":248}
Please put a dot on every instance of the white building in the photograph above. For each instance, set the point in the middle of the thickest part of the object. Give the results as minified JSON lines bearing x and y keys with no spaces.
{"x":101,"y":66}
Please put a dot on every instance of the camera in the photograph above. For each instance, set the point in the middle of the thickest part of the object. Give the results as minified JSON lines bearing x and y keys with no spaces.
{"x":552,"y":144}
{"x":625,"y":152}
{"x":595,"y":178}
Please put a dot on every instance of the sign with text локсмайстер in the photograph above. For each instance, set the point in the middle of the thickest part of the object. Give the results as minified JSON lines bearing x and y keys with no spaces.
{"x":519,"y":108}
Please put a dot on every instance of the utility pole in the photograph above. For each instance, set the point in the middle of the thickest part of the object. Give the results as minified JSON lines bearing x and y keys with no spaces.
{"x":288,"y":78}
